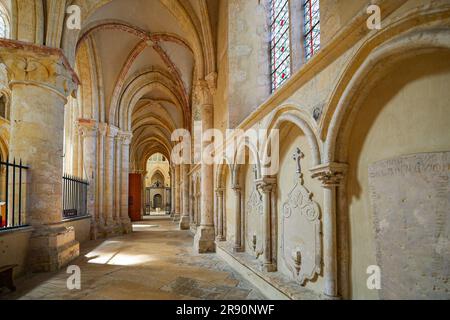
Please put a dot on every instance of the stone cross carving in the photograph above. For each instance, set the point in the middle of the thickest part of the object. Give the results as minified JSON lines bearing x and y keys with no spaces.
{"x":298,"y":156}
{"x":301,"y":242}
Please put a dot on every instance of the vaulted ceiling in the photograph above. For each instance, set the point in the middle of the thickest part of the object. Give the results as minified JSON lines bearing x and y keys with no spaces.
{"x":143,"y":58}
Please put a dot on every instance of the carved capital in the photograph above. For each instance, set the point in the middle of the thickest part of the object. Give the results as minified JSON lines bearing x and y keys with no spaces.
{"x":202,"y":94}
{"x":219,"y":192}
{"x":266,"y":184}
{"x":236,"y":189}
{"x":112,"y":131}
{"x":211,"y":79}
{"x":125,"y":137}
{"x":330,"y":174}
{"x":102,"y":129}
{"x":38,"y":66}
{"x":87,"y":128}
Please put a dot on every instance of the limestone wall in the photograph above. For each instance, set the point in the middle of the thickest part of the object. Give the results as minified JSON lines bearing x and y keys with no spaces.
{"x":14,"y":248}
{"x":367,"y":96}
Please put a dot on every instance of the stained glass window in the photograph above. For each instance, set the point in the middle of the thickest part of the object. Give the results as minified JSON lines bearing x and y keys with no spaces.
{"x":280,"y":42}
{"x":4,"y":24}
{"x":311,"y":27}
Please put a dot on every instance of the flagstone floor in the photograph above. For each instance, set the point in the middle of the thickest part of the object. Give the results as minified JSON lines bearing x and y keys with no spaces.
{"x":155,"y":262}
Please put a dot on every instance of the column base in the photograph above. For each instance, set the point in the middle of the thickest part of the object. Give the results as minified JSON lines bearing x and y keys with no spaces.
{"x":176,"y":218}
{"x":127,"y":226}
{"x":52,"y":248}
{"x":185,"y":223}
{"x":204,"y":241}
{"x":94,"y":230}
{"x":220,"y":238}
{"x":268,"y":267}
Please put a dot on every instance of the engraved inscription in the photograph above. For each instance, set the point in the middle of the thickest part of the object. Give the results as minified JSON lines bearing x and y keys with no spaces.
{"x":410,"y":198}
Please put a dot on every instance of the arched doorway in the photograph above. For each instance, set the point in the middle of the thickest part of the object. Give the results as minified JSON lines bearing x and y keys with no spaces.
{"x":157,"y":202}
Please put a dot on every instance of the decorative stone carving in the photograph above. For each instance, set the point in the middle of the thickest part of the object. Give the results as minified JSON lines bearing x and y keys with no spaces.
{"x":331,"y":174}
{"x":202,"y":94}
{"x":36,"y":65}
{"x":410,"y":198}
{"x":300,"y":230}
{"x":255,"y":222}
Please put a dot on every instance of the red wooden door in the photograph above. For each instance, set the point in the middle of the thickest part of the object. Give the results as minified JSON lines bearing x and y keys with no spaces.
{"x":135,"y":197}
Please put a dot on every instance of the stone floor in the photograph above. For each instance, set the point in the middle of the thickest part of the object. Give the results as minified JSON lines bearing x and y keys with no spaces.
{"x":156,"y":261}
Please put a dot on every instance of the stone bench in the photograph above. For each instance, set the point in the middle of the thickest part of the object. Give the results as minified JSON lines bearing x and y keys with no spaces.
{"x":6,"y":277}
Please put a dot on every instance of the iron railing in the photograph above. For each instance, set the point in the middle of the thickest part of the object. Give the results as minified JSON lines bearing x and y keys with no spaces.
{"x":12,"y":194}
{"x":74,"y":197}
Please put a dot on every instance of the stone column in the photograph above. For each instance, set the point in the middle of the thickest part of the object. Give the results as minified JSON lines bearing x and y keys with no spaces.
{"x":117,"y":183}
{"x":76,"y":152}
{"x":109,"y":178}
{"x":88,"y":131}
{"x":102,"y":130}
{"x":41,"y":79}
{"x":185,"y":219}
{"x":220,"y":215}
{"x":238,"y":245}
{"x":124,"y":217}
{"x":168,"y":199}
{"x":176,"y":216}
{"x":204,"y":241}
{"x":267,"y":186}
{"x":331,"y":176}
{"x":172,"y":193}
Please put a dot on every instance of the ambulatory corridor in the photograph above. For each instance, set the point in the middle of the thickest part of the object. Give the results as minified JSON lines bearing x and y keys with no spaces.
{"x":199,"y":149}
{"x":156,"y":261}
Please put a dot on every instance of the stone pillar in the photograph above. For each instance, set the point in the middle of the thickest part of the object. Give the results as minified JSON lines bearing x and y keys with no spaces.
{"x":204,"y":241}
{"x":172,"y":193}
{"x":117,"y":183}
{"x":168,"y":199}
{"x":76,"y":152}
{"x":267,"y":186}
{"x":185,"y":219}
{"x":220,"y":214}
{"x":41,"y":79}
{"x":238,"y":245}
{"x":331,"y":176}
{"x":88,"y":131}
{"x":102,"y":130}
{"x":109,"y":178}
{"x":176,"y":216}
{"x":124,"y":190}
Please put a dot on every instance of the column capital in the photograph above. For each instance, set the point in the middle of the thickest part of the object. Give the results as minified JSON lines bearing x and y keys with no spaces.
{"x":211,"y":80}
{"x":103,"y":129}
{"x":330,"y":174}
{"x":87,"y":127}
{"x":202,"y":94}
{"x":41,"y":66}
{"x":266,"y":184}
{"x":125,"y":137}
{"x":236,"y":188}
{"x":112,"y":131}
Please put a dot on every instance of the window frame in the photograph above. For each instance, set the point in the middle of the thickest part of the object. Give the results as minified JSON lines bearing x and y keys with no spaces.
{"x":5,"y":20}
{"x":274,"y":68}
{"x":310,"y":50}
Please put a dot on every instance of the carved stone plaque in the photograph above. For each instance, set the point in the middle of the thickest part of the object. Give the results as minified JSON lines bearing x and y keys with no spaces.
{"x":254,"y":223}
{"x":410,"y":198}
{"x":300,"y":242}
